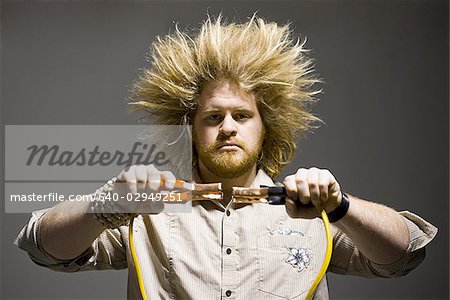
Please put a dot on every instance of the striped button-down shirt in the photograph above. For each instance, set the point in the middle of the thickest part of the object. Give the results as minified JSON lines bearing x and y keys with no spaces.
{"x":251,"y":251}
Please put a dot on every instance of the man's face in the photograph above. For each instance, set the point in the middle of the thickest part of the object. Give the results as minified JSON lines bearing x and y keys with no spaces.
{"x":228,"y":130}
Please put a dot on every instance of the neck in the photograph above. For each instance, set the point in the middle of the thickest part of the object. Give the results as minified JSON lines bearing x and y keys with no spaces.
{"x":245,"y":180}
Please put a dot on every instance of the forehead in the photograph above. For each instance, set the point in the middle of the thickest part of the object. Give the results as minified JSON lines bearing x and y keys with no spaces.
{"x":225,"y":94}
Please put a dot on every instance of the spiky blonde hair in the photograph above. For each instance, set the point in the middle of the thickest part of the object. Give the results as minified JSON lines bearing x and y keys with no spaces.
{"x":261,"y":57}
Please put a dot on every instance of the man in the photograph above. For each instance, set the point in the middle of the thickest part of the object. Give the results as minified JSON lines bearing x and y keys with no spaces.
{"x":245,"y":90}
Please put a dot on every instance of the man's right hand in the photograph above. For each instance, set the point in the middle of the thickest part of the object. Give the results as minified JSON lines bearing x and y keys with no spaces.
{"x":135,"y":185}
{"x":67,"y":230}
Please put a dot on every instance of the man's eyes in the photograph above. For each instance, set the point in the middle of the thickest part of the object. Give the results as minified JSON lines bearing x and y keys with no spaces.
{"x":237,"y":117}
{"x":215,"y":117}
{"x":241,"y":116}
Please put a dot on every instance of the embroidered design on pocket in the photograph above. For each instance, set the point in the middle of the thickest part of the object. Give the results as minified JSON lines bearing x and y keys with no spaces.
{"x":287,"y":231}
{"x":299,"y":258}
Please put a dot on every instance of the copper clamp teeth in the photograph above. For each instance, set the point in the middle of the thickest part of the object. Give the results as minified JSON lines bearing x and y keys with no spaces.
{"x":198,"y":191}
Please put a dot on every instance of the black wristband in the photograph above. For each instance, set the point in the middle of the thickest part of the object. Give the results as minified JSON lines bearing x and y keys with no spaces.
{"x":340,"y":211}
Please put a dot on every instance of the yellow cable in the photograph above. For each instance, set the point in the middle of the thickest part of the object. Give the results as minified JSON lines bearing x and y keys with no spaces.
{"x":313,"y":287}
{"x":135,"y":260}
{"x":327,"y":259}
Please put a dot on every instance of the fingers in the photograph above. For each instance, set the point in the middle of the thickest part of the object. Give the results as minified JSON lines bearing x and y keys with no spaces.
{"x":146,"y":179}
{"x":312,"y":186}
{"x":314,"y":190}
{"x":324,"y":181}
{"x":141,"y":179}
{"x":168,"y":180}
{"x":153,"y":178}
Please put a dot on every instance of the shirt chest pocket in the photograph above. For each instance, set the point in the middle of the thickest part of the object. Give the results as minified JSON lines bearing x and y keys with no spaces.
{"x":287,"y":265}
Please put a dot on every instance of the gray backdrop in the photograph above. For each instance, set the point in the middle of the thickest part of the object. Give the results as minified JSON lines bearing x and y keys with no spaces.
{"x":385,"y":104}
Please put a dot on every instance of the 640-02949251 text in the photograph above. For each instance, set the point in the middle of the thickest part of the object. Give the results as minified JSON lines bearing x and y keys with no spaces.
{"x":137,"y":197}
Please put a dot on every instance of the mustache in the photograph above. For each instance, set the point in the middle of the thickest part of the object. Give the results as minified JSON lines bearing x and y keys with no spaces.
{"x":226,"y":140}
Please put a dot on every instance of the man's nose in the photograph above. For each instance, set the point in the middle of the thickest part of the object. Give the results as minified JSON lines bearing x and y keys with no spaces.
{"x":228,"y":126}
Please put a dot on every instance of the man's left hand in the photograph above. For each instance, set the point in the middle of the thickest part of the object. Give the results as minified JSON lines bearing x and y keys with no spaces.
{"x":309,"y":189}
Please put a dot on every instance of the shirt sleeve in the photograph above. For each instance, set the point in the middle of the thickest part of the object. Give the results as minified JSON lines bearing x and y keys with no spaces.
{"x":107,"y":251}
{"x":347,"y":259}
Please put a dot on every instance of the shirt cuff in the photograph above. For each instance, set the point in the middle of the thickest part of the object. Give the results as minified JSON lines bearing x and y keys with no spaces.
{"x":420,"y":234}
{"x":29,"y":240}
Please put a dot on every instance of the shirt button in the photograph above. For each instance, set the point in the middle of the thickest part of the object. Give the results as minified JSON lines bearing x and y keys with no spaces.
{"x":228,"y":251}
{"x":228,"y":213}
{"x":228,"y":293}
